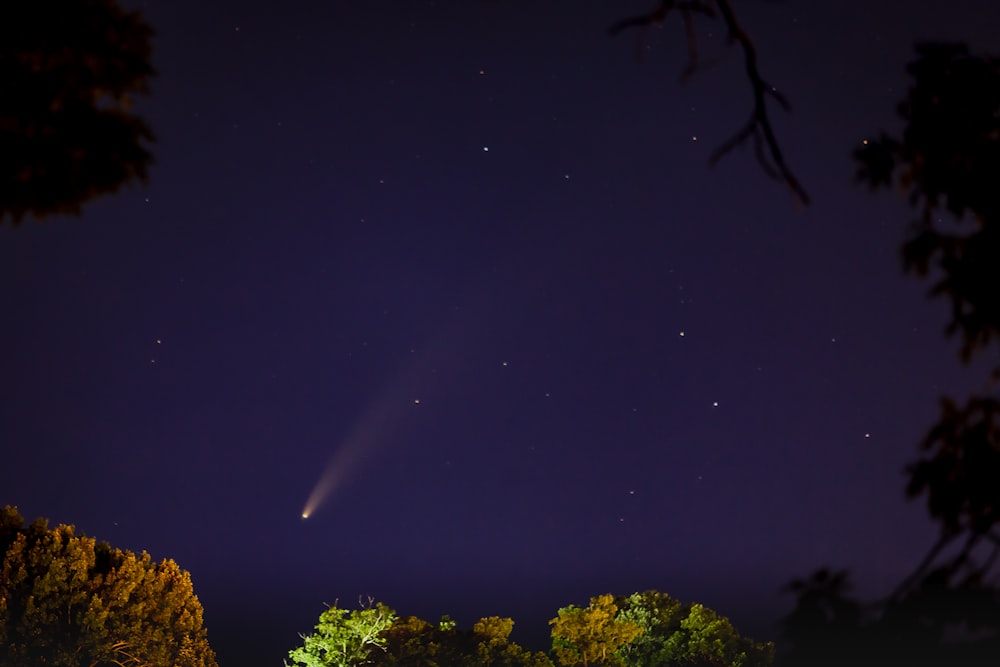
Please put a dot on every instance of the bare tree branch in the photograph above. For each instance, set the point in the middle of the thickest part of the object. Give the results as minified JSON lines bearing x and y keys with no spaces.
{"x":758,"y":128}
{"x":760,"y":121}
{"x":988,"y":563}
{"x":657,"y":17}
{"x":692,"y":41}
{"x":942,"y":542}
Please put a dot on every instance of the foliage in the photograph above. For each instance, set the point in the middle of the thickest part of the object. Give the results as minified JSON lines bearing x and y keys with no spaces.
{"x":68,"y":134}
{"x":414,"y":642}
{"x":494,"y":648}
{"x":592,"y":634}
{"x":658,"y":616}
{"x":409,"y":640}
{"x":639,"y":630}
{"x":705,"y":638}
{"x":676,"y":634}
{"x":344,"y":637}
{"x":69,"y":601}
{"x":947,"y":162}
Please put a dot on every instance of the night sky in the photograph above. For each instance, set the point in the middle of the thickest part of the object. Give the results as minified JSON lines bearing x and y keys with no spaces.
{"x":464,"y":266}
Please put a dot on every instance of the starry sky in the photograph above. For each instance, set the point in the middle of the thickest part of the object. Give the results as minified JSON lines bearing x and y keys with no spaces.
{"x":455,"y":279}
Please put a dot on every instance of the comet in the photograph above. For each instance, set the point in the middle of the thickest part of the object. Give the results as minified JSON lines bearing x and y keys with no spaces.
{"x":411,"y":391}
{"x":374,"y":429}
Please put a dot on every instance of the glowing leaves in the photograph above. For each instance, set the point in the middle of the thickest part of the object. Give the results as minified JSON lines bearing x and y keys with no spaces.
{"x":80,"y":602}
{"x":591,"y":635}
{"x":344,"y":638}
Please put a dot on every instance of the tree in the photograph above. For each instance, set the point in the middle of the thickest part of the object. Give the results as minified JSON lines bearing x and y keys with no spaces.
{"x":947,"y":162}
{"x":706,"y":638}
{"x":676,"y":635}
{"x":658,"y":615}
{"x":414,"y":642}
{"x":409,"y":640}
{"x":344,"y":638}
{"x":69,"y":601}
{"x":592,"y":634}
{"x":68,"y":135}
{"x":494,"y":648}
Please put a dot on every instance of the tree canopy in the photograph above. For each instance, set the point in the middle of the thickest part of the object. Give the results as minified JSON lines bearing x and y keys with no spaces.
{"x":70,"y":601}
{"x":591,"y":635}
{"x":375,"y":635}
{"x":415,"y":642}
{"x":69,"y":134}
{"x":344,"y":637}
{"x":947,"y":162}
{"x":639,"y":630}
{"x":676,"y":635}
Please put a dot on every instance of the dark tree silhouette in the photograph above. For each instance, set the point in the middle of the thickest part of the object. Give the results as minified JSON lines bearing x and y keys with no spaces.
{"x":947,"y":162}
{"x":67,"y":134}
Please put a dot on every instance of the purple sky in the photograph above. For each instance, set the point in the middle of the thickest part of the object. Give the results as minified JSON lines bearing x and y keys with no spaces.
{"x":471,"y":253}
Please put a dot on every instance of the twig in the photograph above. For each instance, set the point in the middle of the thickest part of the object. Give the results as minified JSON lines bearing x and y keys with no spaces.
{"x":657,"y":17}
{"x":759,"y":121}
{"x":758,"y":128}
{"x":942,"y":542}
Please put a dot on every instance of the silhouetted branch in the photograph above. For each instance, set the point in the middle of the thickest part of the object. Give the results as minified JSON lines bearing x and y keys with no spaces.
{"x":760,"y":122}
{"x":964,"y":556}
{"x":657,"y":17}
{"x":758,"y":128}
{"x":942,"y":542}
{"x":953,"y":565}
{"x":692,"y":41}
{"x":988,"y":563}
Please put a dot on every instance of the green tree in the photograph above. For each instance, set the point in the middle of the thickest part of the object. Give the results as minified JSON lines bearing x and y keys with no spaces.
{"x":345,"y":637}
{"x":706,"y":638}
{"x":658,"y":615}
{"x":677,"y":635}
{"x":68,"y":134}
{"x":592,"y":634}
{"x":69,"y":601}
